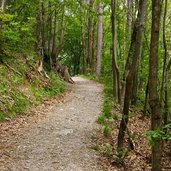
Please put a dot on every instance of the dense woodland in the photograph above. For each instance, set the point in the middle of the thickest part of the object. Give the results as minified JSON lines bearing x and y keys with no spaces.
{"x":124,"y":44}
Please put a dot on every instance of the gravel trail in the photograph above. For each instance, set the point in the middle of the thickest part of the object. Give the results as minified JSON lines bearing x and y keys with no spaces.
{"x":62,"y":141}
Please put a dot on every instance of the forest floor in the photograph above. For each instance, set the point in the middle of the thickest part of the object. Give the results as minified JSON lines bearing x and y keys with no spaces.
{"x":57,"y":136}
{"x":62,"y":134}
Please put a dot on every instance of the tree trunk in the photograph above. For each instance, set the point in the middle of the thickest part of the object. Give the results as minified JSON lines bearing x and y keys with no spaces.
{"x":83,"y":53}
{"x":100,"y":40}
{"x":90,"y":35}
{"x":129,"y":79}
{"x":129,"y":17}
{"x":116,"y":74}
{"x":167,"y":118}
{"x":42,"y":21}
{"x":61,"y":42}
{"x":164,"y":59}
{"x":135,"y":88}
{"x":128,"y":29}
{"x":50,"y":29}
{"x":156,"y":118}
{"x":3,"y":4}
{"x":54,"y":45}
{"x":40,"y":32}
{"x":129,"y":59}
{"x":166,"y":105}
{"x":146,"y":99}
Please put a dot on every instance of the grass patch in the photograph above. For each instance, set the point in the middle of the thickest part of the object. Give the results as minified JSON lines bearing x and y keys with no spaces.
{"x":21,"y":103}
{"x":102,"y":119}
{"x":107,"y":131}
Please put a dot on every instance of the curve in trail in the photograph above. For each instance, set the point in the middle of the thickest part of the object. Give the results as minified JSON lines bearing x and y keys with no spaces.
{"x":62,"y":141}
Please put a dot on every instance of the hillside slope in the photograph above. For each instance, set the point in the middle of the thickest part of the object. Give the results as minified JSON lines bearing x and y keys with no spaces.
{"x":22,"y":85}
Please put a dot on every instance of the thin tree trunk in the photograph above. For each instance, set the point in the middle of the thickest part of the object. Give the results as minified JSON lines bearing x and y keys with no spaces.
{"x":3,"y":4}
{"x":116,"y":74}
{"x":93,"y":46}
{"x":49,"y":28}
{"x":42,"y":19}
{"x":50,"y":34}
{"x":61,"y":42}
{"x":146,"y":99}
{"x":129,"y":17}
{"x":166,"y":105}
{"x":135,"y":87}
{"x":54,"y":45}
{"x":154,"y":101}
{"x":83,"y":54}
{"x":165,"y":53}
{"x":129,"y":59}
{"x":100,"y":40}
{"x":129,"y":79}
{"x":40,"y":32}
{"x":90,"y":35}
{"x":128,"y":29}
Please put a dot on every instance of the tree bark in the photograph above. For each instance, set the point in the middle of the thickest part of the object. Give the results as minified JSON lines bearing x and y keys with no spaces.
{"x":3,"y":4}
{"x":154,"y":101}
{"x":129,"y":79}
{"x":61,"y":42}
{"x":54,"y":44}
{"x":146,"y":99}
{"x":42,"y":20}
{"x":100,"y":40}
{"x":116,"y":74}
{"x":50,"y":28}
{"x":91,"y":36}
{"x":129,"y":16}
{"x":164,"y":61}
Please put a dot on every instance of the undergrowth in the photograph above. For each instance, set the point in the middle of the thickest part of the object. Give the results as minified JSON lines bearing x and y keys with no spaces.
{"x":22,"y":86}
{"x":107,"y":118}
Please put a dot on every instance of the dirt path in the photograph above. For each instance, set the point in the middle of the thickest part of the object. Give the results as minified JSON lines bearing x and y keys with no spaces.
{"x":62,"y":141}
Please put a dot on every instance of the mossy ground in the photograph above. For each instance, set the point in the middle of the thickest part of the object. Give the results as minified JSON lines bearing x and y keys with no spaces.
{"x":22,"y":86}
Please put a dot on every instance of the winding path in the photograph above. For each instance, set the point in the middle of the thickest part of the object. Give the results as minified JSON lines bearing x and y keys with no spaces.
{"x":62,"y":141}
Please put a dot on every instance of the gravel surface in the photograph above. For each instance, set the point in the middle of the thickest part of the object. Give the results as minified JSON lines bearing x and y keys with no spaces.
{"x":63,"y":140}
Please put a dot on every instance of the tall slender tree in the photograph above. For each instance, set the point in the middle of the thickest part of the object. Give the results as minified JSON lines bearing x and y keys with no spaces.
{"x":165,"y":60}
{"x":116,"y":74}
{"x":135,"y":56}
{"x":3,"y":4}
{"x":156,"y":114}
{"x":100,"y":39}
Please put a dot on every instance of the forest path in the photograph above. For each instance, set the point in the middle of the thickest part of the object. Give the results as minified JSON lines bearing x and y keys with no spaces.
{"x":62,"y":141}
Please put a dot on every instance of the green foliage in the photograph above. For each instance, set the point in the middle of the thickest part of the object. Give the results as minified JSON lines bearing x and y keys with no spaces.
{"x":56,"y":87}
{"x":159,"y":134}
{"x":17,"y":94}
{"x":107,"y":149}
{"x":17,"y":32}
{"x":107,"y":108}
{"x":1,"y":116}
{"x":107,"y":131}
{"x":21,"y":103}
{"x":122,"y":152}
{"x":102,"y":119}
